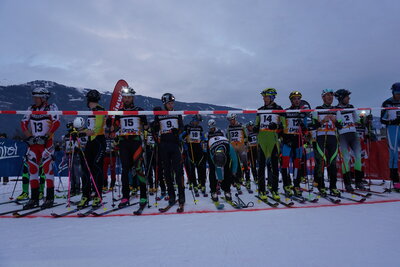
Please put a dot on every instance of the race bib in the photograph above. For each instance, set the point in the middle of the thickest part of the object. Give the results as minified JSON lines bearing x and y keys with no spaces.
{"x":194,"y":136}
{"x":39,"y":128}
{"x":214,"y":140}
{"x":167,"y":125}
{"x":236,"y":136}
{"x":267,"y":119}
{"x":253,"y":139}
{"x":150,"y":139}
{"x":293,"y":125}
{"x":130,"y":125}
{"x":90,"y":122}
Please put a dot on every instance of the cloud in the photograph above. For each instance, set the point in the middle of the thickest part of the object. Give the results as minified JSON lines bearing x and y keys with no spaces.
{"x":220,"y":52}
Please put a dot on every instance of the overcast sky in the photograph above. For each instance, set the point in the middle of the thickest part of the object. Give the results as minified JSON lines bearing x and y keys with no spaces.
{"x":219,"y":52}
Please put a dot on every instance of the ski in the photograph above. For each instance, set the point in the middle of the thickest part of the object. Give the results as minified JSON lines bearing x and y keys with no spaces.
{"x":11,"y":211}
{"x":20,"y":215}
{"x":330,"y":198}
{"x":368,"y":194}
{"x":162,"y":210}
{"x":91,"y":210}
{"x":286,"y":204}
{"x":377,"y":184}
{"x":386,"y":190}
{"x":95,"y":214}
{"x":233,"y":204}
{"x":294,"y":198}
{"x":360,"y":200}
{"x":218,"y":205}
{"x":311,"y":199}
{"x":19,"y":202}
{"x":57,"y":215}
{"x":271,"y":204}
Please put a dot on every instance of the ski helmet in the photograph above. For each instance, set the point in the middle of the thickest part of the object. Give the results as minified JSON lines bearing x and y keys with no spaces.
{"x":127,"y":91}
{"x":250,"y":123}
{"x":231,"y":116}
{"x":220,"y":157}
{"x":69,"y":125}
{"x":41,"y":92}
{"x":211,"y":123}
{"x":79,"y":123}
{"x":197,"y":117}
{"x":271,"y":92}
{"x":93,"y":96}
{"x":167,"y":97}
{"x":327,"y":91}
{"x":295,"y":94}
{"x":341,"y":94}
{"x":396,"y":88}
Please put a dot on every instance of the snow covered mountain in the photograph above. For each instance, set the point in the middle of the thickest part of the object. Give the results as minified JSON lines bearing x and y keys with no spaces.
{"x":18,"y":97}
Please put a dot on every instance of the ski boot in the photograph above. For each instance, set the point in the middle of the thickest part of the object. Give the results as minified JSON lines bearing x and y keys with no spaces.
{"x":203,"y":190}
{"x":23,"y":196}
{"x":334,"y":192}
{"x":239,"y":189}
{"x":214,"y":197}
{"x":349,"y":188}
{"x":288,"y":190}
{"x":228,"y":196}
{"x":142,"y":202}
{"x":96,"y":202}
{"x":322,"y":192}
{"x":196,"y":191}
{"x":275,"y":195}
{"x":83,"y":203}
{"x":262,"y":195}
{"x":360,"y":185}
{"x":297,"y":192}
{"x":124,"y":202}
{"x":49,"y":202}
{"x":152,"y":190}
{"x":32,"y":203}
{"x":248,"y":185}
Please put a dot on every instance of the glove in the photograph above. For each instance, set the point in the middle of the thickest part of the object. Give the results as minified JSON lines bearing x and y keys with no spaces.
{"x":108,"y":122}
{"x":256,"y":129}
{"x":273,"y":126}
{"x":395,"y":121}
{"x":175,"y":131}
{"x":303,"y":127}
{"x":30,"y":140}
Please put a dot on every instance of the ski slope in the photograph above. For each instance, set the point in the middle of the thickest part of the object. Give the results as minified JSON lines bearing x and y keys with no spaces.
{"x":320,"y":235}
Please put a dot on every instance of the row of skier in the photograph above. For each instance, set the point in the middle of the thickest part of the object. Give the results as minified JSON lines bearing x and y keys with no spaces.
{"x":168,"y":147}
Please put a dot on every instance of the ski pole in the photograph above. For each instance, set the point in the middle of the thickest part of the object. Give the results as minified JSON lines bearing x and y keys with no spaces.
{"x":91,"y":177}
{"x":15,"y":184}
{"x":69,"y":170}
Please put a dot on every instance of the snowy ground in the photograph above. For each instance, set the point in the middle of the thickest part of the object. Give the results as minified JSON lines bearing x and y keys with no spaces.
{"x":347,"y":235}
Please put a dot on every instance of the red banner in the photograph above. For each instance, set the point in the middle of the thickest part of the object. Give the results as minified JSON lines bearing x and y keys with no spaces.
{"x":116,"y":99}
